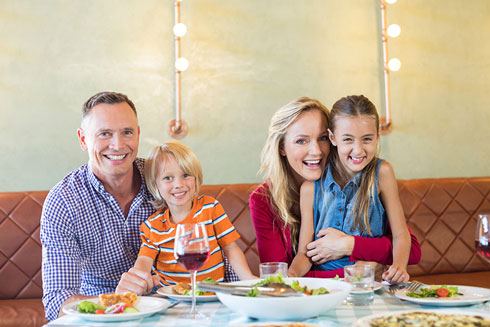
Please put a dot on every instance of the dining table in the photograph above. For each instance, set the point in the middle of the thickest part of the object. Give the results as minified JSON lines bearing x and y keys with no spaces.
{"x":218,"y":314}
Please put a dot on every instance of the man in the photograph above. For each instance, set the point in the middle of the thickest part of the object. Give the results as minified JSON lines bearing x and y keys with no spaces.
{"x":90,"y":221}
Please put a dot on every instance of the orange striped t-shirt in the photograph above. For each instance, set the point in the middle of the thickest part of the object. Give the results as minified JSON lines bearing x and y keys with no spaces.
{"x":158,"y":235}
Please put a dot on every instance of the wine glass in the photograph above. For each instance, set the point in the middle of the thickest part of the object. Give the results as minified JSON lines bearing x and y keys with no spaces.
{"x":483,"y":236}
{"x":191,"y":250}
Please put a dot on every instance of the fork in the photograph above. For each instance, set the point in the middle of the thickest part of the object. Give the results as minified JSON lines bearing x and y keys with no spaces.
{"x":412,"y":286}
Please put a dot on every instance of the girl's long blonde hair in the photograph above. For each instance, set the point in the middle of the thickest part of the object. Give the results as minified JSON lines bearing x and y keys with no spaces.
{"x":275,"y":169}
{"x":355,"y":106}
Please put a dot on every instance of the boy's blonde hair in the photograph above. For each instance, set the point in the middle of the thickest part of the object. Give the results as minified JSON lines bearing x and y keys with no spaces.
{"x":186,"y":159}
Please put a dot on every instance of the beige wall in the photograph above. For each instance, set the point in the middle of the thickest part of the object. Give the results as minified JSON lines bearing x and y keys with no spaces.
{"x":247,"y":58}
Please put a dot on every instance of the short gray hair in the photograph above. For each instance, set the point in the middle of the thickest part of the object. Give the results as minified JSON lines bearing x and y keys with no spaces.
{"x":108,"y":98}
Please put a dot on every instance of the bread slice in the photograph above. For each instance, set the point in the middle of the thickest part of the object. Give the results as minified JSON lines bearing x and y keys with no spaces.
{"x":180,"y":288}
{"x":110,"y":299}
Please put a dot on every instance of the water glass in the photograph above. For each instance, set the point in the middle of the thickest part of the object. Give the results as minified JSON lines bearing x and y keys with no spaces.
{"x":361,"y":277}
{"x":272,"y":268}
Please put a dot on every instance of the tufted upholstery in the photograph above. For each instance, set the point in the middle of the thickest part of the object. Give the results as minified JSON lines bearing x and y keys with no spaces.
{"x":20,"y":259}
{"x":440,"y":212}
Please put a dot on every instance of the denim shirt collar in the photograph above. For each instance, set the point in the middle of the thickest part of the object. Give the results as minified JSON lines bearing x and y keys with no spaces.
{"x":330,"y":181}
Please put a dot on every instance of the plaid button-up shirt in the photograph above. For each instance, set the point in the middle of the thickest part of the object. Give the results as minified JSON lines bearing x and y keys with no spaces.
{"x":87,"y":241}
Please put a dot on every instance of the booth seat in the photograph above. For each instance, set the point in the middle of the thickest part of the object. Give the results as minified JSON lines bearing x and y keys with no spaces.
{"x":441,"y":212}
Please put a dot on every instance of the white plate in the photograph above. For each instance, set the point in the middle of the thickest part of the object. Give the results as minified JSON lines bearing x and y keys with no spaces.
{"x":146,"y":305}
{"x":167,"y":291}
{"x":289,"y":308}
{"x":471,"y":295}
{"x":365,"y":322}
{"x":277,"y":323}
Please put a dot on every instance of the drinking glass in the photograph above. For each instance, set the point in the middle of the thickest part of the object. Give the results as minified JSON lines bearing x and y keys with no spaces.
{"x":361,"y":277}
{"x":191,"y":250}
{"x":482,"y":236}
{"x":272,"y":268}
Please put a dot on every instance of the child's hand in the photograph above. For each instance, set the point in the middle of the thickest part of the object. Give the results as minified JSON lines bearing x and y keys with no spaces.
{"x":396,"y":275}
{"x":136,"y":281}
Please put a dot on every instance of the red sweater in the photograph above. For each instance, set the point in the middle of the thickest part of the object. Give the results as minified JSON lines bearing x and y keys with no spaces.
{"x":274,"y":245}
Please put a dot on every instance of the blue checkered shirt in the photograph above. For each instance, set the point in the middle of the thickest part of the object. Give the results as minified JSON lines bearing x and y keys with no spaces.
{"x":87,"y":241}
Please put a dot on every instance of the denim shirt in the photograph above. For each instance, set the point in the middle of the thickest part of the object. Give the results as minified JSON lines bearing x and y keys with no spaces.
{"x":333,"y":207}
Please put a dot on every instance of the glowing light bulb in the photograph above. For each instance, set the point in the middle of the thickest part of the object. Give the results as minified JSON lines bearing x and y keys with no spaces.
{"x":394,"y":30}
{"x":390,"y":1}
{"x":180,"y":29}
{"x":394,"y":64}
{"x":181,"y":64}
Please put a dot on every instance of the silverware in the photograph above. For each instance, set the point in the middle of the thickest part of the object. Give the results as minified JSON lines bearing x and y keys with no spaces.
{"x":269,"y":289}
{"x":412,"y":286}
{"x":174,"y":304}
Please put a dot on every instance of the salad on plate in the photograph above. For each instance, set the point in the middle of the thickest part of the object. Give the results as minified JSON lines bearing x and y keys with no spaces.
{"x":442,"y":291}
{"x":277,"y":279}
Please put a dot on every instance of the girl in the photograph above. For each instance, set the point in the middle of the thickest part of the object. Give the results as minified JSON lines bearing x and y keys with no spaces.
{"x":356,"y":193}
{"x":173,"y":176}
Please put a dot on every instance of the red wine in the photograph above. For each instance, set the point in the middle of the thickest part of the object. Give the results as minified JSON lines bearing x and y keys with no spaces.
{"x":192,"y":260}
{"x":483,"y":250}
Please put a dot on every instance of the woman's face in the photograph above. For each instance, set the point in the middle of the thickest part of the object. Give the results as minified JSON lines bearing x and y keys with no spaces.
{"x":306,"y":146}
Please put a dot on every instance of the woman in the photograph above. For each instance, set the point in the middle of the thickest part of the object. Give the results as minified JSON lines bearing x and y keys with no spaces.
{"x":296,"y":151}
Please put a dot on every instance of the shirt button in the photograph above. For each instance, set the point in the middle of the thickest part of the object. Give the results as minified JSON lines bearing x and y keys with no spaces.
{"x":338,"y":224}
{"x":342,"y":196}
{"x":340,"y":209}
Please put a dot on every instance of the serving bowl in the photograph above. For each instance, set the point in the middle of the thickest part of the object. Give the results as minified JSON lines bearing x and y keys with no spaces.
{"x":288,"y":308}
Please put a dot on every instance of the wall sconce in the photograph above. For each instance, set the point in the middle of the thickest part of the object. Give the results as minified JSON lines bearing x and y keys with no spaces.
{"x":177,"y":128}
{"x":392,"y":65}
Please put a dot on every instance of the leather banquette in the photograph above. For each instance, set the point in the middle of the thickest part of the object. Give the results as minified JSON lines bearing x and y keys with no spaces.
{"x":441,"y":212}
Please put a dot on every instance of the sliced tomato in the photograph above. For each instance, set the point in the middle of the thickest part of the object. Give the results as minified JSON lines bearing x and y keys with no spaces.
{"x":442,"y":292}
{"x":99,"y":312}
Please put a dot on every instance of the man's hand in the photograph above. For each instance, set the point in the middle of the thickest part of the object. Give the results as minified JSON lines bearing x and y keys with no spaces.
{"x":137,"y":281}
{"x":332,"y":244}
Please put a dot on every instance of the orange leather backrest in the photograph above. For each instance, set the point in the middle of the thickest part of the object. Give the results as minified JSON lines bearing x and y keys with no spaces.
{"x":441,"y":212}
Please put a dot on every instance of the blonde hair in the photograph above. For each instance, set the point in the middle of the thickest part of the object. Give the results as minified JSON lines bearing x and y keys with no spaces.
{"x":355,"y":106}
{"x":275,"y":169}
{"x":186,"y":159}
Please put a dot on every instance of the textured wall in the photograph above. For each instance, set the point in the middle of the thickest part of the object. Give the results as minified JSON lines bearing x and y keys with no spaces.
{"x":247,"y":58}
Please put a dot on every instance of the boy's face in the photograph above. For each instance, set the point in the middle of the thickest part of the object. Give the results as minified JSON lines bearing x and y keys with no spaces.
{"x":175,"y":186}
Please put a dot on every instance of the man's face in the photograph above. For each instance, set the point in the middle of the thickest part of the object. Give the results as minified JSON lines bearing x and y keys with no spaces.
{"x":110,"y":135}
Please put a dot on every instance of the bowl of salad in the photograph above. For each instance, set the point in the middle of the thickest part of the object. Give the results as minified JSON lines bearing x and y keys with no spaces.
{"x":321,"y":295}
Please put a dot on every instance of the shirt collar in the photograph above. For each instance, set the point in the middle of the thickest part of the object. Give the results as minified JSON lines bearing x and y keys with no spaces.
{"x":330,"y":181}
{"x":139,"y":163}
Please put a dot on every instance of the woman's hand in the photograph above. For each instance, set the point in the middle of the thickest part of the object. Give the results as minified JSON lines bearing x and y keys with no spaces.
{"x":396,"y":275}
{"x":331,"y":244}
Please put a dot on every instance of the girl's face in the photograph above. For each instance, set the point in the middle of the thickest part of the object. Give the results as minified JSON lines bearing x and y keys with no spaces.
{"x":306,"y":146}
{"x":356,"y":138}
{"x":175,"y":186}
